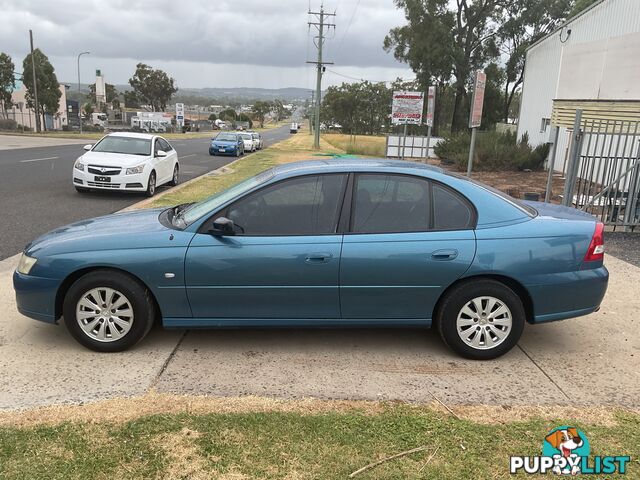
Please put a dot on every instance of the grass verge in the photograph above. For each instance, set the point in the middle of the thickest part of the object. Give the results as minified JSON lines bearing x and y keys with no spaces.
{"x":358,"y":144}
{"x":297,"y":147}
{"x":263,"y":438}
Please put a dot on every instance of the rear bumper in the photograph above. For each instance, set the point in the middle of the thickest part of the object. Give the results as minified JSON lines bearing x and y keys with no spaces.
{"x":569,"y":295}
{"x":36,"y":296}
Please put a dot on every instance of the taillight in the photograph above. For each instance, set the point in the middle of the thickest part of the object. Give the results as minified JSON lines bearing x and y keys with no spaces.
{"x":596,"y":247}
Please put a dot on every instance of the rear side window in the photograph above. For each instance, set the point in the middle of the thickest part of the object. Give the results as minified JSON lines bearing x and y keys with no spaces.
{"x":390,"y":204}
{"x":450,"y":210}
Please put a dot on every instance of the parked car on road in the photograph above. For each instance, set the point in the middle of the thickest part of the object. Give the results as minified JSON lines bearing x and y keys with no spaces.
{"x":357,"y":243}
{"x":136,"y":162}
{"x":247,"y":138}
{"x":293,"y":128}
{"x":257,"y":140}
{"x":227,"y":143}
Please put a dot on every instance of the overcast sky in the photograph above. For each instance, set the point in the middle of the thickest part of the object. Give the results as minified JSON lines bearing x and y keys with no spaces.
{"x":204,"y":43}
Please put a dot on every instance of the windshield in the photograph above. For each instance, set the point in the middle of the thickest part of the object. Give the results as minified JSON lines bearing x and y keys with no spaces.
{"x":246,"y":136}
{"x":200,"y":209}
{"x":225,"y":137}
{"x":128,"y":145}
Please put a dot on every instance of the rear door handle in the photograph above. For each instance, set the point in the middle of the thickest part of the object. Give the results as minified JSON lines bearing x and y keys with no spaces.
{"x":315,"y":258}
{"x":449,"y":254}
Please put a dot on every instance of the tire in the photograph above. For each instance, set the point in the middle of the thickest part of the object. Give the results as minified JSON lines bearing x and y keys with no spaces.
{"x":212,"y":153}
{"x":175,"y":179}
{"x":490,"y":327}
{"x":82,"y":190}
{"x":151,"y":185}
{"x":238,"y":153}
{"x":137,"y":300}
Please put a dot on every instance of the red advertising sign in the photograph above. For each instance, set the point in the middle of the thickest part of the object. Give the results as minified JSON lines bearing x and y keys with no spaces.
{"x":407,"y":108}
{"x":431,"y":105}
{"x":475,"y":116}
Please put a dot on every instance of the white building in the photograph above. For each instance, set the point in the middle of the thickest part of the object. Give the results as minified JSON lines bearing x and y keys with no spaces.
{"x":27,"y":116}
{"x":590,"y":62}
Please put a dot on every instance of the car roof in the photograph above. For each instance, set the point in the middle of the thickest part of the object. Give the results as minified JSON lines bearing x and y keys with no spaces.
{"x":346,"y":164}
{"x":145,"y":136}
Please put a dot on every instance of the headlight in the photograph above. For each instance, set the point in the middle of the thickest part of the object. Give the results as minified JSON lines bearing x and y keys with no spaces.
{"x":26,"y":264}
{"x":135,"y":170}
{"x":79,"y":165}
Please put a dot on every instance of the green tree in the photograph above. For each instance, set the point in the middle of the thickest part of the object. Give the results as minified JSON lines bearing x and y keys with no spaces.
{"x":47,"y":84}
{"x":443,"y":44}
{"x":152,"y":87}
{"x":88,"y":109}
{"x":260,"y":110}
{"x":228,"y":115}
{"x":213,"y":117}
{"x":526,"y":22}
{"x":6,"y":82}
{"x":131,"y":99}
{"x":581,"y":5}
{"x":493,"y":96}
{"x":243,"y":117}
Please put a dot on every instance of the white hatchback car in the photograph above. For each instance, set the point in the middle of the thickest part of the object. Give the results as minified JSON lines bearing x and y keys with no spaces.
{"x":257,"y":140}
{"x":247,"y":138}
{"x":127,"y":161}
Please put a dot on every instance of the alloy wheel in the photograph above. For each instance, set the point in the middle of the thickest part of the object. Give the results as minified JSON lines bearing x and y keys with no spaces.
{"x":104,"y":314}
{"x":484,"y":322}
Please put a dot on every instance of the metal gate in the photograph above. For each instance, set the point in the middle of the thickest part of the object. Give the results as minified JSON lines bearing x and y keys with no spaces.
{"x":603,"y":170}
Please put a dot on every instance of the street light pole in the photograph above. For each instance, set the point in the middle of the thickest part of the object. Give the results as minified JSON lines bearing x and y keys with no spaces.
{"x":79,"y":93}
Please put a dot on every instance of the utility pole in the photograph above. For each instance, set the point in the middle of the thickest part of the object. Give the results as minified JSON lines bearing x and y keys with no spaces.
{"x":35,"y":83}
{"x":320,"y":66}
{"x":80,"y":93}
{"x":314,"y":116}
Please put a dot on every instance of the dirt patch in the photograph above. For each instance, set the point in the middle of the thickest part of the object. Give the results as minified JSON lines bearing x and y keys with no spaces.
{"x":186,"y":460}
{"x":120,"y":410}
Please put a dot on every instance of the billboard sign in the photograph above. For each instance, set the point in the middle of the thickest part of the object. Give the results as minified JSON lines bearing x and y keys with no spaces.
{"x":475,"y":115}
{"x":431,"y":104}
{"x":180,"y":114}
{"x":407,"y":108}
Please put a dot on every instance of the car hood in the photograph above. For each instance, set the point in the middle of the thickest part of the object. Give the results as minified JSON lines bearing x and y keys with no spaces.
{"x":113,"y":159}
{"x":140,"y":229}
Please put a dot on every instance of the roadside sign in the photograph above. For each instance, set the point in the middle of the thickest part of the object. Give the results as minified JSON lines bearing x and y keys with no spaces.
{"x":431,"y":104}
{"x":180,"y":114}
{"x":406,"y":108}
{"x":475,"y":116}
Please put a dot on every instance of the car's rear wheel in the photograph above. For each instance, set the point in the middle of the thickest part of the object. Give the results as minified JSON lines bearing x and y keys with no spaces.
{"x":108,"y":311}
{"x":151,"y":185}
{"x":175,"y":179}
{"x":481,"y":319}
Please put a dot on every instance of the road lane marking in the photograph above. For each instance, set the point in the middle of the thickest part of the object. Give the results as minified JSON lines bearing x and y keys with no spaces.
{"x":190,"y":155}
{"x":38,"y":159}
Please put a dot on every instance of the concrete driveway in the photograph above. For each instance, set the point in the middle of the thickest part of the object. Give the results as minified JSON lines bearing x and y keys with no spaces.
{"x":592,"y":360}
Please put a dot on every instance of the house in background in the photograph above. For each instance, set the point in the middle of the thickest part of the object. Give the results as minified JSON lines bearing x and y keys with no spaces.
{"x":591,"y":62}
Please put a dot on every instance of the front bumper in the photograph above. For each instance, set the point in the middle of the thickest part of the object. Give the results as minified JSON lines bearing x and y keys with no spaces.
{"x":216,"y":150}
{"x":135,"y":183}
{"x":36,"y":296}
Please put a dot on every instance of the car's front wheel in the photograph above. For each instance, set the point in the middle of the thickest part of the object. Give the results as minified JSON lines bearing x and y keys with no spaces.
{"x":151,"y":185}
{"x":175,"y":179}
{"x":481,"y":319}
{"x":108,"y":311}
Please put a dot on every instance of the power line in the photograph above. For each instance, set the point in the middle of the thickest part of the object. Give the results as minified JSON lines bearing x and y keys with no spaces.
{"x":366,"y":80}
{"x":348,"y":25}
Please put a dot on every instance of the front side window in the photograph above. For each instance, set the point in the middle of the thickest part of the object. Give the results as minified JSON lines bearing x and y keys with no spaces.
{"x":308,"y":205}
{"x":390,"y":204}
{"x":164,"y":145}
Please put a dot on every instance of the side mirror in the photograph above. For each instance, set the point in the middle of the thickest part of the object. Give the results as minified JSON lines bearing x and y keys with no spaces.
{"x":223,"y":226}
{"x":87,"y":147}
{"x":161,"y":153}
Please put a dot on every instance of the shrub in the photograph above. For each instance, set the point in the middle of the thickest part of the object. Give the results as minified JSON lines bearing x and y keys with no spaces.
{"x":8,"y":124}
{"x":494,"y":151}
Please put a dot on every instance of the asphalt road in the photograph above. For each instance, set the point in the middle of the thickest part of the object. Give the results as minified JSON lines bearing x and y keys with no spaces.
{"x":36,"y":194}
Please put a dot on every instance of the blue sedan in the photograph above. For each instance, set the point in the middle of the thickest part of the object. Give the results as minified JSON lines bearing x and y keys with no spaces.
{"x":336,"y":243}
{"x":227,"y":143}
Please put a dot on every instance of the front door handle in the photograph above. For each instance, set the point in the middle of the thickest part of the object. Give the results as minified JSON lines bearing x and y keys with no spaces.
{"x":315,"y":258}
{"x":449,"y":254}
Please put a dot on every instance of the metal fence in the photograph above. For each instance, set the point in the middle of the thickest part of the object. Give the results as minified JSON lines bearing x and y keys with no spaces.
{"x":603,"y":170}
{"x":399,"y":146}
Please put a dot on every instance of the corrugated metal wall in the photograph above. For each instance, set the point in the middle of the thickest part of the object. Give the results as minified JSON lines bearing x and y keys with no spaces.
{"x":610,"y":18}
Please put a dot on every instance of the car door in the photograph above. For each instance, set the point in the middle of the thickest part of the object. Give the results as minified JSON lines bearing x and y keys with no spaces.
{"x":172,"y":156}
{"x":408,"y":239}
{"x":283,"y":261}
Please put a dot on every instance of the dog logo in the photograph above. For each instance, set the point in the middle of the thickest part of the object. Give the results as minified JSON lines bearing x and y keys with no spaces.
{"x":569,"y":443}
